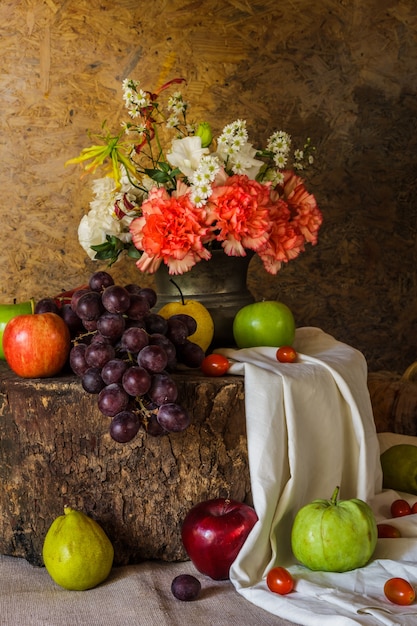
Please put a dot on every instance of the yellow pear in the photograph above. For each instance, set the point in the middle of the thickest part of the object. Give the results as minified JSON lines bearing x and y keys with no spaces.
{"x":77,"y":553}
{"x":203,"y":336}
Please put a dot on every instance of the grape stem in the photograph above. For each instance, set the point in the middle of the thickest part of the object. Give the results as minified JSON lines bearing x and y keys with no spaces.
{"x":177,"y":286}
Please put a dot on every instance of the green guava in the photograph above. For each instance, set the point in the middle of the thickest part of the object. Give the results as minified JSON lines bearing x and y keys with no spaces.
{"x":334,"y":536}
{"x":399,"y":468}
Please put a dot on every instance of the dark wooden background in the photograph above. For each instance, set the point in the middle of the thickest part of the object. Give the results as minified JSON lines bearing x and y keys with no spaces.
{"x":343,"y":72}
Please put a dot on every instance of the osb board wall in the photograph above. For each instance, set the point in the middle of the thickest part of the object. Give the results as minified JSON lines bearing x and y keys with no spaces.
{"x":340,"y":71}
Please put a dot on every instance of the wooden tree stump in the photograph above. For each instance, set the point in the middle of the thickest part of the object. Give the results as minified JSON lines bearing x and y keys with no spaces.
{"x":55,"y":450}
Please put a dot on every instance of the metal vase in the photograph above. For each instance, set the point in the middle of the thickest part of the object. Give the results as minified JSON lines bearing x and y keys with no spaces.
{"x":219,"y":284}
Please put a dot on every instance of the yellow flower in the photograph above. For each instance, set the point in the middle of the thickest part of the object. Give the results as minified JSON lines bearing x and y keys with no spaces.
{"x":98,"y":154}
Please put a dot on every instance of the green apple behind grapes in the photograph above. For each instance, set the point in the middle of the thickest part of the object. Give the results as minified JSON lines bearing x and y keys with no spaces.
{"x":267,"y":323}
{"x":8,"y":311}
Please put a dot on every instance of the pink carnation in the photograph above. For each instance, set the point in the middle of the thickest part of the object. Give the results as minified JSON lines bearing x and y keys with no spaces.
{"x":171,"y":230}
{"x":239,"y":213}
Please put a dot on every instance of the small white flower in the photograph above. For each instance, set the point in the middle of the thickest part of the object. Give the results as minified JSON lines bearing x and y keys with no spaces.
{"x":280,"y":141}
{"x":280,"y":159}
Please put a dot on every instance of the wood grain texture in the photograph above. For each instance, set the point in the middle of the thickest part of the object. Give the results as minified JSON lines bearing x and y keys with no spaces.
{"x":343,"y":73}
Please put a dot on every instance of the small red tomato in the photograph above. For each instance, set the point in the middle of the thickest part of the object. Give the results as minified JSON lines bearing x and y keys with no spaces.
{"x":215,"y":365}
{"x":286,"y":354}
{"x":386,"y":531}
{"x":399,"y":591}
{"x":414,"y":508}
{"x":399,"y":508}
{"x":279,"y":580}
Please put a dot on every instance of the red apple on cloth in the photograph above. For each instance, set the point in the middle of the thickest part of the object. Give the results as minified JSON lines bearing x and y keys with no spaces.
{"x":8,"y":311}
{"x":36,"y":346}
{"x":214,"y":531}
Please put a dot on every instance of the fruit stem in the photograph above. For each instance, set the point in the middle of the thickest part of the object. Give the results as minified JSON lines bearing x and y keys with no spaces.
{"x":333,"y":499}
{"x":175,"y":284}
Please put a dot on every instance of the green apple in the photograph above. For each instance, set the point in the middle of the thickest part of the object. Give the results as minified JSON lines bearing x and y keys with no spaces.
{"x":334,"y":536}
{"x":8,"y":311}
{"x":399,"y":468}
{"x":267,"y":323}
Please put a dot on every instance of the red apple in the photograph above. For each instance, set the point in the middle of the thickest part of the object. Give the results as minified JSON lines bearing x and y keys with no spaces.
{"x":214,"y":531}
{"x":65,"y":296}
{"x":8,"y":311}
{"x":36,"y":346}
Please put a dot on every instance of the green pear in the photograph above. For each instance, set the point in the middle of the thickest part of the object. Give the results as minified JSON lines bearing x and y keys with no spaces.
{"x":77,"y":553}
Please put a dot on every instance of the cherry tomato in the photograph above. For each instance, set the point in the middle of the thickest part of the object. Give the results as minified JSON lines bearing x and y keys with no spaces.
{"x":386,"y":531}
{"x":399,"y":508}
{"x":215,"y":365}
{"x":414,"y":508}
{"x":399,"y":591}
{"x":286,"y":354}
{"x":279,"y":580}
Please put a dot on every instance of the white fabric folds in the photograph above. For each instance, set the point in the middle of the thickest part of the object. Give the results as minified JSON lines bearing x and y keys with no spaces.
{"x":310,"y":428}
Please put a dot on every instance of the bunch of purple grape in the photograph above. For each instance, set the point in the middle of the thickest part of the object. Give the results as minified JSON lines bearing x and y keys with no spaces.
{"x":125,"y":354}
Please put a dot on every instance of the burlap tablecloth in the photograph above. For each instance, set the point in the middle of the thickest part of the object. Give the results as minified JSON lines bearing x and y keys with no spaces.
{"x":134,"y":595}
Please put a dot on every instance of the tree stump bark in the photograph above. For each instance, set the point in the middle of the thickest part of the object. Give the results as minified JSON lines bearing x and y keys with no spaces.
{"x":55,"y":450}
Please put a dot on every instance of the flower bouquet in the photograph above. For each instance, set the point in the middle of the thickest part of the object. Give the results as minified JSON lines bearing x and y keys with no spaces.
{"x":175,"y":204}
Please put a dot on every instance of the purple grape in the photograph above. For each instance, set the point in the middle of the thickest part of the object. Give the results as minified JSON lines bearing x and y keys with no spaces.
{"x":113,"y":371}
{"x":156,"y":324}
{"x":98,"y":353}
{"x":136,"y":381}
{"x":139,"y":307}
{"x":173,"y":417}
{"x":111,"y":325}
{"x":153,"y":358}
{"x":77,"y":295}
{"x":187,"y":320}
{"x":190,"y":354}
{"x":153,"y":427}
{"x":177,"y":331}
{"x":77,"y":360}
{"x":133,"y":288}
{"x":98,"y":338}
{"x":112,"y":399}
{"x":71,"y":319}
{"x":92,"y":381}
{"x":185,"y":587}
{"x":47,"y":305}
{"x":90,"y":325}
{"x":100,"y":280}
{"x":115,"y":299}
{"x":89,"y":306}
{"x":157,"y":339}
{"x":150,"y":295}
{"x":124,"y":426}
{"x":163,"y":389}
{"x":134,"y":339}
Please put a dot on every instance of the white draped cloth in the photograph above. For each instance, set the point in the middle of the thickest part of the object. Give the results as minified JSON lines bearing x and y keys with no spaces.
{"x":310,"y":427}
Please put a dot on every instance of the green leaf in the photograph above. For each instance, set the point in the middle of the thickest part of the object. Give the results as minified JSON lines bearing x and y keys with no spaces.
{"x":133,"y":252}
